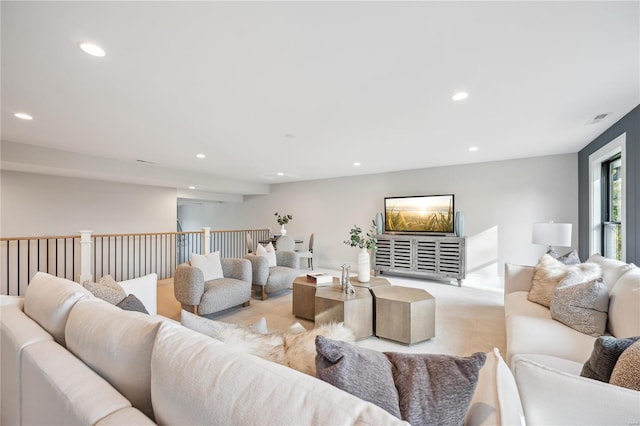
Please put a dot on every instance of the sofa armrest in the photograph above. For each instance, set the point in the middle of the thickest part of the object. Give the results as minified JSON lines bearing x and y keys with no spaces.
{"x":551,"y":396}
{"x":240,"y":269}
{"x":287,"y":258}
{"x":259,"y":269}
{"x":188,"y":284}
{"x":517,"y":277}
{"x":12,"y":301}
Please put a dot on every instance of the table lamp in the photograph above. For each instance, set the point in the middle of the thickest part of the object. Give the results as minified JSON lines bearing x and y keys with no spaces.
{"x":552,"y":234}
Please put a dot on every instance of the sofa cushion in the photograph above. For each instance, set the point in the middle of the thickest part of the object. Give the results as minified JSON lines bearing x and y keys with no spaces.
{"x":606,"y":351}
{"x":117,"y":344}
{"x":209,"y":264}
{"x":582,"y":307}
{"x":550,"y":273}
{"x":48,"y":301}
{"x":626,"y":372}
{"x":59,"y":389}
{"x":106,"y":289}
{"x":526,"y":335}
{"x":126,"y":416}
{"x":496,"y":401}
{"x":362,"y":372}
{"x":191,"y":371}
{"x":612,"y":269}
{"x":553,"y":396}
{"x":624,"y":315}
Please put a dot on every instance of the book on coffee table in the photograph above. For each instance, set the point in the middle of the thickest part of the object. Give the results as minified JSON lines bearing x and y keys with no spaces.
{"x":320,"y":279}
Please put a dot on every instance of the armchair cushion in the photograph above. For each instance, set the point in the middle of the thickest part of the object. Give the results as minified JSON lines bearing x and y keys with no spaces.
{"x":240,"y":269}
{"x":268,"y":253}
{"x":209,"y":264}
{"x":289,"y":259}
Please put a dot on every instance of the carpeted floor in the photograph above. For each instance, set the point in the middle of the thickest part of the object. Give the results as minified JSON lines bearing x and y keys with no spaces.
{"x":468,"y":319}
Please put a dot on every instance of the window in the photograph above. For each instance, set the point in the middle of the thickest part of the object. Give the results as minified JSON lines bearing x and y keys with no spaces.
{"x":607,"y":200}
{"x":612,"y":208}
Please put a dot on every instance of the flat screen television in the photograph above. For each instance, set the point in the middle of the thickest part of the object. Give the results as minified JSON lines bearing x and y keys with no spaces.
{"x":426,"y":214}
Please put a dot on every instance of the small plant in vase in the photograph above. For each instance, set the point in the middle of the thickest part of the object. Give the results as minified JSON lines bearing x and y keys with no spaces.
{"x":364,"y":243}
{"x":282,"y":220}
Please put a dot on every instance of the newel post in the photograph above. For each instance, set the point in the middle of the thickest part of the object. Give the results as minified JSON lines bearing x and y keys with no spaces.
{"x":85,"y":256}
{"x":206,"y":240}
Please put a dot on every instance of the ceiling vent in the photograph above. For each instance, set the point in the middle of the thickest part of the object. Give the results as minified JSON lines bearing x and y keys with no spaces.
{"x":146,"y":161}
{"x":598,"y":118}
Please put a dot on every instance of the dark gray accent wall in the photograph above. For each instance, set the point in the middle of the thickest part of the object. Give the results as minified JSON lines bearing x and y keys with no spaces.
{"x":629,"y":124}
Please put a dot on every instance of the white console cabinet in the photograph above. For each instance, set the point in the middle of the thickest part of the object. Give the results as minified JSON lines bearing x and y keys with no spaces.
{"x":441,"y":257}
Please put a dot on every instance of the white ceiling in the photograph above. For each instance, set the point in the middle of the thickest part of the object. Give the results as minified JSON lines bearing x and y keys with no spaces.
{"x":307,"y":88}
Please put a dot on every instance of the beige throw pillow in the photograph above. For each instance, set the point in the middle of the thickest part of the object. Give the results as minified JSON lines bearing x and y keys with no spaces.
{"x":626,"y":373}
{"x":107,"y":289}
{"x":550,"y":273}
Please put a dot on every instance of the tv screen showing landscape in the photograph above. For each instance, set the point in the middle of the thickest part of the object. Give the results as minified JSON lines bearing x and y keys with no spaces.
{"x":426,"y":213}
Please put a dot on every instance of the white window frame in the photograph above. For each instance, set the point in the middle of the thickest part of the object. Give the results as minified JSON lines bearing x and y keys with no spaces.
{"x":616,"y":146}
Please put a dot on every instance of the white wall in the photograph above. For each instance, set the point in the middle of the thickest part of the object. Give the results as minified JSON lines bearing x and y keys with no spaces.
{"x":194,"y":215}
{"x":500,"y":200}
{"x":34,"y":204}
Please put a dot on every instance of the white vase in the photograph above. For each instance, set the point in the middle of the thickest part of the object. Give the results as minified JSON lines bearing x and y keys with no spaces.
{"x":282,"y":230}
{"x":364,"y":266}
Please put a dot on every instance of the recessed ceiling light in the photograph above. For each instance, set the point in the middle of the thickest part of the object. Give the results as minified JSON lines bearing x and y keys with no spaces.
{"x":289,"y":135}
{"x":93,"y":50}
{"x":473,"y":148}
{"x":357,"y":164}
{"x":201,"y":156}
{"x":460,"y":96}
{"x":280,"y":174}
{"x":23,"y":116}
{"x":192,"y":187}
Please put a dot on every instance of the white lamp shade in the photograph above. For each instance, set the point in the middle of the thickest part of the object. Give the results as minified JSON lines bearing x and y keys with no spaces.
{"x":552,"y":234}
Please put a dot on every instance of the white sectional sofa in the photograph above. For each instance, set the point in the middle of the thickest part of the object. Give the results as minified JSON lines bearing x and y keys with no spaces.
{"x":546,"y":356}
{"x":69,"y":358}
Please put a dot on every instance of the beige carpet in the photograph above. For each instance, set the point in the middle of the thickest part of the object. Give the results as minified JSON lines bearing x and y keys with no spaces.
{"x":467,"y":319}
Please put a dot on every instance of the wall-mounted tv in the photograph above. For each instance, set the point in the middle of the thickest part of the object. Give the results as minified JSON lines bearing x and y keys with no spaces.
{"x":427,"y":214}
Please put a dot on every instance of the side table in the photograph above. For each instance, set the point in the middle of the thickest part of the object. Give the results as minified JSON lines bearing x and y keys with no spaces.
{"x":355,"y":310}
{"x":304,"y":297}
{"x":404,"y":314}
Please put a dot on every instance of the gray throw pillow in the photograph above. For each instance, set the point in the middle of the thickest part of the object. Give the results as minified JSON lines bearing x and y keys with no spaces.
{"x":362,"y":372}
{"x":422,"y":389}
{"x":107,"y":289}
{"x":570,"y":258}
{"x":435,"y":389}
{"x":582,"y":307}
{"x":605,"y":354}
{"x":132,"y":303}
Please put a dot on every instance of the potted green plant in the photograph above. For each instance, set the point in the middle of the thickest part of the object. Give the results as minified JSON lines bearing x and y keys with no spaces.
{"x":282,"y":220}
{"x":365,"y":243}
